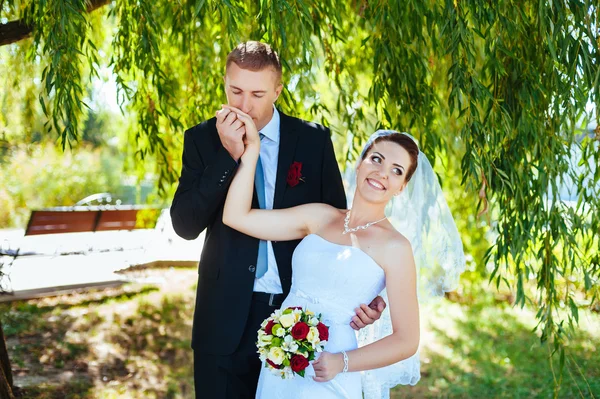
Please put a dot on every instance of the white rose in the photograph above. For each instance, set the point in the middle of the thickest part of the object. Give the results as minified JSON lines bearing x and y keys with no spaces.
{"x":288,"y":320}
{"x":313,"y":336}
{"x":313,"y":321}
{"x":276,"y":355}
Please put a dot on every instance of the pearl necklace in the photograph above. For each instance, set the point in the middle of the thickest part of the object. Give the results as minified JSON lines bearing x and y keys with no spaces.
{"x":363,"y":227}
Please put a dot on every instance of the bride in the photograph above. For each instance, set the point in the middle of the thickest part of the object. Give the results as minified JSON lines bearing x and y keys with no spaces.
{"x":346,"y":257}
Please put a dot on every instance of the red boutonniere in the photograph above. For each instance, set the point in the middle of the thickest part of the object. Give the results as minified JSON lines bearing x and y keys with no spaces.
{"x":294,"y":175}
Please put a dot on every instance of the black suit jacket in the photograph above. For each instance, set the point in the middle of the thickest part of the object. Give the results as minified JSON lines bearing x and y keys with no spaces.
{"x":227,"y":264}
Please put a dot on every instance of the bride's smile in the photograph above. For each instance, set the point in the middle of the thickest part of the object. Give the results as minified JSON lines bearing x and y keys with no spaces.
{"x":375,"y":184}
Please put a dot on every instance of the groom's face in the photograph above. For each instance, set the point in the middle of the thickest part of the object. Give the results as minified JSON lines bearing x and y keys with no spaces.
{"x":254,"y":92}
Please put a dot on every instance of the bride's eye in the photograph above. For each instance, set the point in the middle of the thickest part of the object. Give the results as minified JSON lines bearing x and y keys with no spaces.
{"x":375,"y":159}
{"x":397,"y":171}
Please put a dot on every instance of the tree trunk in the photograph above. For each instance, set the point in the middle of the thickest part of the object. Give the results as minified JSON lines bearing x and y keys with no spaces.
{"x":6,"y":379}
{"x":14,"y":31}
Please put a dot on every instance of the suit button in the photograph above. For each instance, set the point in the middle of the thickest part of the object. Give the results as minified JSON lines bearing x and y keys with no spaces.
{"x":252,"y":269}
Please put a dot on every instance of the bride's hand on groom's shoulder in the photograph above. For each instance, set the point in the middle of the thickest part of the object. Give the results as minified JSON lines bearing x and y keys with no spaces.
{"x":327,"y":366}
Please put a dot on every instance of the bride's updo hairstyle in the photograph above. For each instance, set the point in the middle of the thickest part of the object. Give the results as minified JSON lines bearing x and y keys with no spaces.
{"x":402,"y":140}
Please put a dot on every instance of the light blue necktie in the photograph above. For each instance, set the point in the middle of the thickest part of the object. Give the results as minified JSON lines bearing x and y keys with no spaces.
{"x":259,"y":181}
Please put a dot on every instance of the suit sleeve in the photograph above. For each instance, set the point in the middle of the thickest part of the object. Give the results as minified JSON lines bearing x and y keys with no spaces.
{"x":202,"y":188}
{"x":333,"y":189}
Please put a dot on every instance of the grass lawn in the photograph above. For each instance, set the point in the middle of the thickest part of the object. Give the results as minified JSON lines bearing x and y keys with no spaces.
{"x":134,"y":342}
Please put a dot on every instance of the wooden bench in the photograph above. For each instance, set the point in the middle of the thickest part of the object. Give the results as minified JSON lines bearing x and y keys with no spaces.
{"x":95,"y":213}
{"x":82,"y":219}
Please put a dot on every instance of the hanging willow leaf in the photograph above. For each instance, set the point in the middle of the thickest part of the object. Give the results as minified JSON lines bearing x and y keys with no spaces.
{"x":504,"y":88}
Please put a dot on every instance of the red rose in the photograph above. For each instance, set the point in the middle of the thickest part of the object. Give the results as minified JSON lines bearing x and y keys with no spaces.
{"x":298,"y":363}
{"x":294,"y":174}
{"x":274,"y":365}
{"x":300,"y":330}
{"x":323,"y":332}
{"x":269,"y":327}
{"x":295,"y":307}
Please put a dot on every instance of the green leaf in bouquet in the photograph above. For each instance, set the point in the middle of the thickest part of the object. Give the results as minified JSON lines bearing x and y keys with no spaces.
{"x":311,"y":356}
{"x":302,"y":349}
{"x":287,"y":311}
{"x":301,"y":373}
{"x":286,"y":362}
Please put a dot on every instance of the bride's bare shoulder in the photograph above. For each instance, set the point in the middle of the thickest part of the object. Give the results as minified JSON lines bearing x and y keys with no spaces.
{"x":398,"y":251}
{"x":319,"y":215}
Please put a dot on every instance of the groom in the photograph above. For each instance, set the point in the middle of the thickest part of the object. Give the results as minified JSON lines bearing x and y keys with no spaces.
{"x":242,"y":280}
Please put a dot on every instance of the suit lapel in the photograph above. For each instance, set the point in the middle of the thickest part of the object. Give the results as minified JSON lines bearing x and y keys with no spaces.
{"x":288,"y":138}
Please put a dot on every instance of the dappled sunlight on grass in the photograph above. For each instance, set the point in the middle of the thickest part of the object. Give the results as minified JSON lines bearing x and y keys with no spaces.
{"x":134,"y":342}
{"x":487,"y":349}
{"x":127,"y":342}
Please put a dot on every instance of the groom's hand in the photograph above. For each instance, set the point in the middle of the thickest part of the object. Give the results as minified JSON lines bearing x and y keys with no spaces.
{"x":366,"y":315}
{"x":251,"y":138}
{"x":231,"y":132}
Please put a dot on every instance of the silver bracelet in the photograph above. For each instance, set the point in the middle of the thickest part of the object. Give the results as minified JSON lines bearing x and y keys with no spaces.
{"x":345,"y":370}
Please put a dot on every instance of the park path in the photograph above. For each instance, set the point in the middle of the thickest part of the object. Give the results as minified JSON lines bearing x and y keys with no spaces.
{"x":56,"y":263}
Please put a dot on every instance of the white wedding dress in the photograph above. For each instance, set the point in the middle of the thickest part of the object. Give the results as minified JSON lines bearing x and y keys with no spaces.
{"x":333,"y":280}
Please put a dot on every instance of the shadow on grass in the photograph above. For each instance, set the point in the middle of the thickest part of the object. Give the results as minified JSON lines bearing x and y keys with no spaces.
{"x":484,"y":351}
{"x":50,"y":344}
{"x":156,"y":348}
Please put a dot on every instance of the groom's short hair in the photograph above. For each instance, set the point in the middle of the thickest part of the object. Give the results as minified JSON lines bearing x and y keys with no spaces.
{"x":255,"y":56}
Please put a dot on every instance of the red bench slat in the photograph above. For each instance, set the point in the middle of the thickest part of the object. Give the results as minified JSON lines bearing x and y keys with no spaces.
{"x":77,"y":221}
{"x":50,"y":222}
{"x":117,"y":220}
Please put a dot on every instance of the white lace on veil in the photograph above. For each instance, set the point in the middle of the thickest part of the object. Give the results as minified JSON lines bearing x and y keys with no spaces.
{"x":422,"y":215}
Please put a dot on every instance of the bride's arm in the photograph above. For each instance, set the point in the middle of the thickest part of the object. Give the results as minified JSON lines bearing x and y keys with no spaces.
{"x":401,"y":286}
{"x":273,"y":225}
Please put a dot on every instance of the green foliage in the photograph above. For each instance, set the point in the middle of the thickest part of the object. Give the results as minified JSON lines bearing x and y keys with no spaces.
{"x":501,"y":85}
{"x":45,"y":177}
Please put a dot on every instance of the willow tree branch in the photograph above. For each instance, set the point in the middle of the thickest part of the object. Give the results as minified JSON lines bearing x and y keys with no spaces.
{"x":15,"y":31}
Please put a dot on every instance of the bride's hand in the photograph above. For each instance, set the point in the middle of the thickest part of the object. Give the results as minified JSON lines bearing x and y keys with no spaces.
{"x":251,"y":138}
{"x":327,"y":366}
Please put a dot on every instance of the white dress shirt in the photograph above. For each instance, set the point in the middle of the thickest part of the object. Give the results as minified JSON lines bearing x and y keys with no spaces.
{"x":269,"y":155}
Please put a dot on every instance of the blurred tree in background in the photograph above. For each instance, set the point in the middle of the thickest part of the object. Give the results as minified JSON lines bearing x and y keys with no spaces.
{"x":503,"y":95}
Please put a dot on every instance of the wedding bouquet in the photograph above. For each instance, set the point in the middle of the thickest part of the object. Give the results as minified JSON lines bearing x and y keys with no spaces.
{"x":288,"y":340}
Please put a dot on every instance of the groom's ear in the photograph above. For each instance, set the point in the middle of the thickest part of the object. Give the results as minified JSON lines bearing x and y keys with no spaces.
{"x":278,"y":90}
